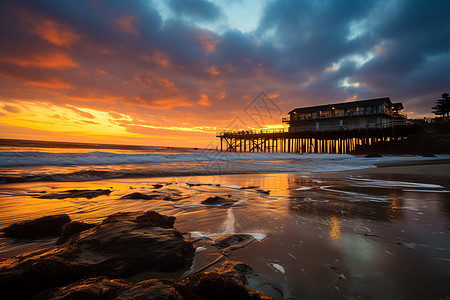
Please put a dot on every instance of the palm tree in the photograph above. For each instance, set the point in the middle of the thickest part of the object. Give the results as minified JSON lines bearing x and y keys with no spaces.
{"x":442,"y":107}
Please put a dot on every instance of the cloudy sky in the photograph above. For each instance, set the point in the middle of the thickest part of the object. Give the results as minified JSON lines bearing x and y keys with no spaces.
{"x":173,"y":72}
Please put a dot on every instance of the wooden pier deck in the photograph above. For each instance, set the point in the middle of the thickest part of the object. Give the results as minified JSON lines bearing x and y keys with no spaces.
{"x":325,"y":140}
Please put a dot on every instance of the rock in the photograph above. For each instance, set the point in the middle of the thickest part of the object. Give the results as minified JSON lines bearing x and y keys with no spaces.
{"x":148,"y":219}
{"x":249,"y":187}
{"x":104,"y":288}
{"x":198,"y":184}
{"x":370,"y":155}
{"x":125,"y":244}
{"x":92,"y":288}
{"x":217,"y":200}
{"x":196,"y":287}
{"x":72,"y":228}
{"x":89,"y":194}
{"x":264,"y":192}
{"x":157,"y":186}
{"x":38,"y":228}
{"x":233,"y":242}
{"x":153,"y":219}
{"x":236,"y":270}
{"x":140,"y":196}
{"x":216,"y":286}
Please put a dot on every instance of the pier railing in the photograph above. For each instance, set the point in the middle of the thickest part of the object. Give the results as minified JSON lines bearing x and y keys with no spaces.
{"x":337,"y":114}
{"x":370,"y":126}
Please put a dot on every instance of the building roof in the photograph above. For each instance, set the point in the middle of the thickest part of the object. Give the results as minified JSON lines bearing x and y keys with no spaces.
{"x":344,"y":105}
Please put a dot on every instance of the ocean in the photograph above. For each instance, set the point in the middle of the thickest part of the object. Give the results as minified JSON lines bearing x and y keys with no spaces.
{"x":27,"y":161}
{"x":321,"y":230}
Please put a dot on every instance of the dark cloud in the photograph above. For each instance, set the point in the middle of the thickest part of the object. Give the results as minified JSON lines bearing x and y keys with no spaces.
{"x":11,"y":109}
{"x":124,"y":56}
{"x":197,"y":10}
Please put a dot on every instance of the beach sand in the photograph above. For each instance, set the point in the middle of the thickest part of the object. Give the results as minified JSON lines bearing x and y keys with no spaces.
{"x":437,"y":170}
{"x":378,"y":233}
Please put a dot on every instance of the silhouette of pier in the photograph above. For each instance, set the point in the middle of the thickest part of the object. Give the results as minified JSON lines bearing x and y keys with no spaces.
{"x":332,"y":128}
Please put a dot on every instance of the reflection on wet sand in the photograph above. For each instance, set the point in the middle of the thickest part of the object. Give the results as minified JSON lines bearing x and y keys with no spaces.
{"x":306,"y":237}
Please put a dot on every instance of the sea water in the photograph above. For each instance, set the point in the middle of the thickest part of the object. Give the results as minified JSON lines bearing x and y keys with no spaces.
{"x":26,"y":161}
{"x":315,"y":236}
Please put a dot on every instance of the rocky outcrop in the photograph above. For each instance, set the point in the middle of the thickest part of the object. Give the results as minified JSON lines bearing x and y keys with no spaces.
{"x":105,"y":288}
{"x":237,"y":270}
{"x":89,"y":194}
{"x":123,"y":245}
{"x":38,"y":228}
{"x":219,"y":201}
{"x":72,"y":228}
{"x":140,"y":196}
{"x":212,"y":285}
{"x":199,"y":286}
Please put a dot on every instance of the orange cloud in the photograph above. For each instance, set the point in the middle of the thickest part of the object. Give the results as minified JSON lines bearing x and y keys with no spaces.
{"x":95,"y":99}
{"x":54,"y":33}
{"x":208,"y":42}
{"x":58,"y":61}
{"x":212,"y":70}
{"x":53,"y":83}
{"x":11,"y":108}
{"x":161,"y":58}
{"x":101,"y":71}
{"x":164,"y":103}
{"x":204,"y":100}
{"x":164,"y":82}
{"x":126,"y":24}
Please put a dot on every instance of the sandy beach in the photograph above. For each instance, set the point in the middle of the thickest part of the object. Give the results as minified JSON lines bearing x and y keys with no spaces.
{"x":438,"y":170}
{"x":379,"y":233}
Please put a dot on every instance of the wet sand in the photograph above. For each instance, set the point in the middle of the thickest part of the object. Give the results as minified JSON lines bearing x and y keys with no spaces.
{"x":437,"y":170}
{"x":380,"y":233}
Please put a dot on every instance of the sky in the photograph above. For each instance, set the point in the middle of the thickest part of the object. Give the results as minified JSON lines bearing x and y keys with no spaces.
{"x":174,"y":72}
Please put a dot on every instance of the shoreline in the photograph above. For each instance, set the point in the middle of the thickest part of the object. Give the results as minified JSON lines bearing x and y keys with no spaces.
{"x":430,"y":171}
{"x":323,"y":220}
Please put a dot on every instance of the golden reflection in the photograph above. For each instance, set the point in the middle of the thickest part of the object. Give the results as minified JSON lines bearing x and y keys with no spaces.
{"x":335,"y":230}
{"x":394,"y":207}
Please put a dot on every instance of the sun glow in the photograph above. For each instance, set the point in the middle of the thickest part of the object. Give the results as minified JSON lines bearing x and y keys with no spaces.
{"x":69,"y":118}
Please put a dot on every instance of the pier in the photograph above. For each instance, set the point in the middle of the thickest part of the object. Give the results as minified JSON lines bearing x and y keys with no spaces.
{"x":333,"y":128}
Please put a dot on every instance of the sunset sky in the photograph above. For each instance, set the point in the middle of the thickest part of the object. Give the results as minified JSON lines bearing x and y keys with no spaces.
{"x":172,"y":73}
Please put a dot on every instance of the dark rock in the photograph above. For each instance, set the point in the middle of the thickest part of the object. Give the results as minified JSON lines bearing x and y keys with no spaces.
{"x":104,"y":288}
{"x":249,"y":187}
{"x":153,"y":219}
{"x":140,"y":196}
{"x":157,"y":186}
{"x":38,"y":228}
{"x":217,"y":200}
{"x":152,"y":289}
{"x":236,"y":270}
{"x":89,"y":194}
{"x":216,"y":286}
{"x":148,"y":219}
{"x":233,"y":242}
{"x":264,"y":192}
{"x":370,"y":155}
{"x":198,"y":184}
{"x":125,"y":245}
{"x":72,"y":228}
{"x":196,"y":287}
{"x":92,"y":288}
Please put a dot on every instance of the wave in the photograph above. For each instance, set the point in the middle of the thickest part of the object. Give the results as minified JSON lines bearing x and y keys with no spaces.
{"x":24,"y":166}
{"x":31,"y":158}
